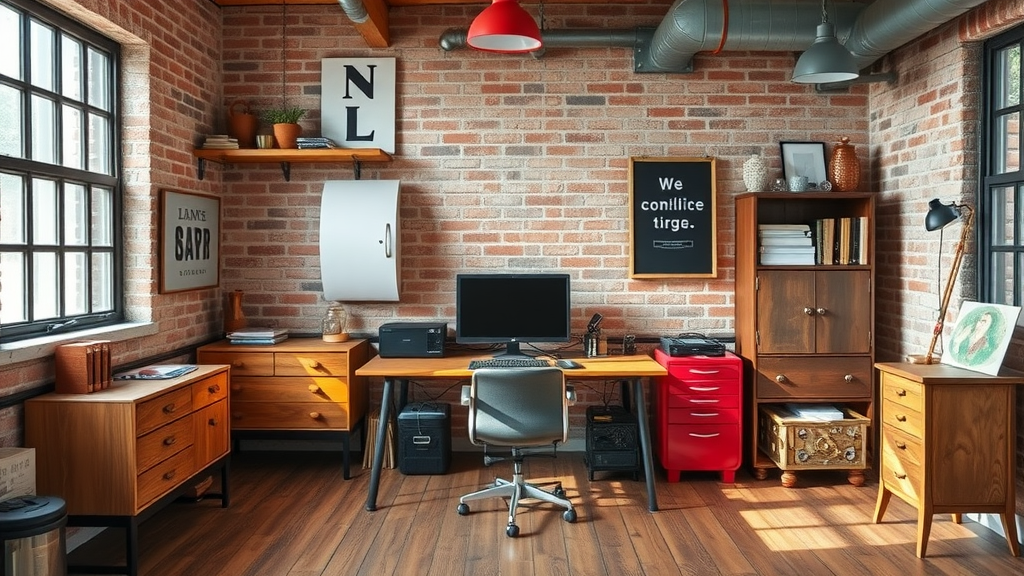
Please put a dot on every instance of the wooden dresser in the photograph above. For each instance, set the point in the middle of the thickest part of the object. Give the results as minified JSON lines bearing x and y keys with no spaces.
{"x":299,"y":388}
{"x":117,"y":455}
{"x":948,"y":444}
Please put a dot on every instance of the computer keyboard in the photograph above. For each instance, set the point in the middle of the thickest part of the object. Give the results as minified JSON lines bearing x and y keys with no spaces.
{"x":508,"y":363}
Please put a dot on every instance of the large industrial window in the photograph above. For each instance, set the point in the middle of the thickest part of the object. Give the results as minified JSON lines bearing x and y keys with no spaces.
{"x":1001,"y":202}
{"x":60,"y":223}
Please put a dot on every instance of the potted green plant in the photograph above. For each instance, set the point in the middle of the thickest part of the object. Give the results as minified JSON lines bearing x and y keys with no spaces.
{"x":286,"y":124}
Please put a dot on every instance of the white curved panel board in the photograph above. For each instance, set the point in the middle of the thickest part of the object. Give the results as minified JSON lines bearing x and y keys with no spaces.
{"x":359,"y":251}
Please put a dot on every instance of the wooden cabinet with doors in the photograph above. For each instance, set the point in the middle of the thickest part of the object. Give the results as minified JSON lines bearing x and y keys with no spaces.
{"x":806,"y":331}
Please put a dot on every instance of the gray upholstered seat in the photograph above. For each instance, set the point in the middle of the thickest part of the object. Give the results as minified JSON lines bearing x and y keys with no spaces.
{"x":517,"y":408}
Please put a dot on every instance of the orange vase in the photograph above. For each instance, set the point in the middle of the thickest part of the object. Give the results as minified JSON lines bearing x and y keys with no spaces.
{"x":285,"y":134}
{"x":242,"y":124}
{"x":234,"y":317}
{"x":844,"y":167}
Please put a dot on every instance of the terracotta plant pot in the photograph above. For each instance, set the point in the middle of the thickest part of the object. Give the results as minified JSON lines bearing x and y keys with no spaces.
{"x":285,"y":134}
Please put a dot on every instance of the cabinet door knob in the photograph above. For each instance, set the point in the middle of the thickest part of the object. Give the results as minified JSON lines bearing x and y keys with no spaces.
{"x":237,"y":364}
{"x":314,"y":415}
{"x":314,"y":388}
{"x":169,"y":409}
{"x":213,"y":389}
{"x":314,"y":364}
{"x":212,"y":421}
{"x":901,"y":392}
{"x":901,"y":445}
{"x":781,"y":378}
{"x":169,"y":475}
{"x":848,"y":378}
{"x":821,"y":311}
{"x":809,"y":311}
{"x":901,"y":418}
{"x":169,"y":441}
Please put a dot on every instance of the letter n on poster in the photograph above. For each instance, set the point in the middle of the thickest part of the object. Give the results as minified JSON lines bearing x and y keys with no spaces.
{"x":672,"y":223}
{"x":189,"y":241}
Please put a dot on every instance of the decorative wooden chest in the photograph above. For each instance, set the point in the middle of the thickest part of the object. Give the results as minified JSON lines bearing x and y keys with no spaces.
{"x":795,"y":443}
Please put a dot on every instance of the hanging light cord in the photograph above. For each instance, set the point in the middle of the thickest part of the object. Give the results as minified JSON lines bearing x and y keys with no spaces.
{"x":824,"y":13}
{"x":284,"y":47}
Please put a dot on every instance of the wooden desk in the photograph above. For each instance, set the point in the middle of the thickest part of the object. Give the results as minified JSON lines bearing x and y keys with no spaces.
{"x":631,"y":369}
{"x":948,"y":444}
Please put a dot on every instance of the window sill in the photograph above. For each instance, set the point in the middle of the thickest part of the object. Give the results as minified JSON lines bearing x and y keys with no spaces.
{"x":37,"y":348}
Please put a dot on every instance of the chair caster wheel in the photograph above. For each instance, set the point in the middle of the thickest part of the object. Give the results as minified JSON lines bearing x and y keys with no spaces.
{"x":569,"y":516}
{"x":463,"y":509}
{"x":560,"y":492}
{"x":512,"y":531}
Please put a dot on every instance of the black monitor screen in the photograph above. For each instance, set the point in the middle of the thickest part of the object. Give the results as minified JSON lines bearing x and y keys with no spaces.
{"x":511,"y":308}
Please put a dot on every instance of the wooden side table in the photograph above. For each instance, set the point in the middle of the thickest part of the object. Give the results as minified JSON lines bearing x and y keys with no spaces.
{"x":948,"y":444}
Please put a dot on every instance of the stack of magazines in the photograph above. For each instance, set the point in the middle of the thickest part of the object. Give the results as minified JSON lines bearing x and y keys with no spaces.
{"x":258,"y":335}
{"x":312,"y":143}
{"x":221,"y":142}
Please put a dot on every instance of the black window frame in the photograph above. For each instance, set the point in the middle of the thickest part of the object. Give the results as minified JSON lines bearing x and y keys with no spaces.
{"x":30,"y":169}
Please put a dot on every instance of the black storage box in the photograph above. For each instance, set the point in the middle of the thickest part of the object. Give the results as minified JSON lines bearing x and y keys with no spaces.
{"x":425,"y":438}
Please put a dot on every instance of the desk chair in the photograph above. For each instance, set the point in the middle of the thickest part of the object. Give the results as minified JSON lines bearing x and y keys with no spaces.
{"x":518,"y":408}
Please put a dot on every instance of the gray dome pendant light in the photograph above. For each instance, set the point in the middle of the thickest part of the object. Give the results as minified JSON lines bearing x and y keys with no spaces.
{"x":826,"y":60}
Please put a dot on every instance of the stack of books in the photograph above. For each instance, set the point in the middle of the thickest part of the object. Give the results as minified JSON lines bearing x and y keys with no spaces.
{"x":842,"y":240}
{"x":314,"y":143}
{"x":221,"y":142}
{"x":785,"y":244}
{"x":258,"y":335}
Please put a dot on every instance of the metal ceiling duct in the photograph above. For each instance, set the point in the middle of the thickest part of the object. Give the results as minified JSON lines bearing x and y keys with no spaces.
{"x":355,"y":10}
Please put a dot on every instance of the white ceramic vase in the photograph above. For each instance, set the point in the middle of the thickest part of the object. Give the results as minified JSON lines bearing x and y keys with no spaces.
{"x":755,"y":174}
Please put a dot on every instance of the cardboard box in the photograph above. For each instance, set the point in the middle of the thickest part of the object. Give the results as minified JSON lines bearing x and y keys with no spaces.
{"x":795,"y":443}
{"x":17,"y":472}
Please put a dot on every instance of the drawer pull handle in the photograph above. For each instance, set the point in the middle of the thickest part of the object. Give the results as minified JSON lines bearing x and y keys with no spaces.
{"x":901,"y":445}
{"x":705,"y":414}
{"x":314,"y":415}
{"x":169,"y":409}
{"x":696,"y":371}
{"x":236,"y":415}
{"x":848,"y":378}
{"x":901,"y":418}
{"x":901,"y":392}
{"x":212,"y":421}
{"x":899,"y":476}
{"x":705,"y":400}
{"x":705,"y":388}
{"x":809,"y":311}
{"x":314,"y":388}
{"x":169,"y":441}
{"x":695,"y":435}
{"x":236,"y":387}
{"x":781,"y":378}
{"x":238,"y":364}
{"x":314,"y":365}
{"x":821,"y":311}
{"x":213,"y":389}
{"x":168,"y":475}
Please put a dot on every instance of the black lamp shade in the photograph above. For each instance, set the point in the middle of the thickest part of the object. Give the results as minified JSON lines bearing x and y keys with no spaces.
{"x":939,"y":215}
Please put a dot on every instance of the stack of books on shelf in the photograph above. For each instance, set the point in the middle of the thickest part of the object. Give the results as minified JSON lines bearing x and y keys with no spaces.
{"x":258,"y":335}
{"x":785,"y":244}
{"x":221,"y":142}
{"x":313,"y":143}
{"x":842,"y":241}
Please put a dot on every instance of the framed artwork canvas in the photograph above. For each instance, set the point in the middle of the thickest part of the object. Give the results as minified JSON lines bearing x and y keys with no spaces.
{"x":189,"y":241}
{"x":980,"y":337}
{"x":804,"y":159}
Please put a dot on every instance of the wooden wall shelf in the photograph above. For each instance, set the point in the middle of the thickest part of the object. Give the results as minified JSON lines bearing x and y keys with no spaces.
{"x":287,"y":156}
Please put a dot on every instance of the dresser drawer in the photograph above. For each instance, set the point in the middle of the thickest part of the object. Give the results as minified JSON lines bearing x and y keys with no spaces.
{"x":904,"y":447}
{"x":710,"y":415}
{"x":156,"y":412}
{"x":289,"y":416}
{"x":291,"y":389}
{"x":212,"y":433}
{"x":242,"y":363}
{"x":701,"y":387}
{"x":838,"y":377}
{"x":902,"y":475}
{"x":163,"y":443}
{"x":903,"y":392}
{"x":164,"y":477}
{"x":679,"y":401}
{"x":903,"y":418}
{"x":210,"y":390}
{"x":702,"y":447}
{"x":707,"y":370}
{"x":310,"y":364}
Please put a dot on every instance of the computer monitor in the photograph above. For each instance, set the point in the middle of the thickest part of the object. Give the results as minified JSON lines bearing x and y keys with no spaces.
{"x":511,"y":308}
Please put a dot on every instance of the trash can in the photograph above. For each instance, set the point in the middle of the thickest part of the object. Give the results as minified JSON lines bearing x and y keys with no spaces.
{"x":32,"y":531}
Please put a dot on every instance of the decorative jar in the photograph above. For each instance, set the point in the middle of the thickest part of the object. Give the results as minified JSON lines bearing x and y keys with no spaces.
{"x":333,"y":326}
{"x":755,"y":174}
{"x":844,"y":167}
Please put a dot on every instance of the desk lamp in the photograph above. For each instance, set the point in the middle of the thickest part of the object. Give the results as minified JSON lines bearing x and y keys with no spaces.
{"x":939,"y":216}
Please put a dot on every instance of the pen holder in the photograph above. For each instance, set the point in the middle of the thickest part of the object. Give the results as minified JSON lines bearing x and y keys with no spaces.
{"x":591,"y":344}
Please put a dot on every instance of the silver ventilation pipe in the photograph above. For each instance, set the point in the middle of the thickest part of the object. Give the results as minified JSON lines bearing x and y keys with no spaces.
{"x":355,"y":10}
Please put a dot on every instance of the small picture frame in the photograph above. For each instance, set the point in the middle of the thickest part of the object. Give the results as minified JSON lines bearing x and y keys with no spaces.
{"x":189,"y":241}
{"x":980,"y":337}
{"x":804,"y":159}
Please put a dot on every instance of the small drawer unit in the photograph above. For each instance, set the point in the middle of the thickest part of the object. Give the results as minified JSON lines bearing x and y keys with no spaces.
{"x":612,"y":440}
{"x":697,"y":414}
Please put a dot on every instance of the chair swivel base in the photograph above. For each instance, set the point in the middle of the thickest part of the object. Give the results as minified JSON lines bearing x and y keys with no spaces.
{"x":517,"y":490}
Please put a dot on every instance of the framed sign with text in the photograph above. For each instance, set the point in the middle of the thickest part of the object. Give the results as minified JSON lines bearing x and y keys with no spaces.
{"x":189,"y":241}
{"x":672,"y":223}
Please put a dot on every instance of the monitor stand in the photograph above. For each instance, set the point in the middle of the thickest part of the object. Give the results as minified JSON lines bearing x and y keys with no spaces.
{"x":512,"y":350}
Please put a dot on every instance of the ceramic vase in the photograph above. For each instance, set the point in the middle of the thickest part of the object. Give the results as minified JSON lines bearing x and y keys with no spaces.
{"x":755,"y":174}
{"x":844,"y":167}
{"x":242,"y":124}
{"x":285,"y":134}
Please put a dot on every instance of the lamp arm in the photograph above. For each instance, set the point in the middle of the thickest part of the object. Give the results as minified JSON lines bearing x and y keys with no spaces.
{"x":954,"y":270}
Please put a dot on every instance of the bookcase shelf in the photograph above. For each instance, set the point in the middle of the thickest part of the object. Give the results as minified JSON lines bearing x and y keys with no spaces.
{"x":288,"y":156}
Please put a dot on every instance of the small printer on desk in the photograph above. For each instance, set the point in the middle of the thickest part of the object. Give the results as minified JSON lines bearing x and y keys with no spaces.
{"x":412,"y":339}
{"x":692,"y":346}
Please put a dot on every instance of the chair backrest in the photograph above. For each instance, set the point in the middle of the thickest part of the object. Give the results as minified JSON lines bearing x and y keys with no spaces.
{"x":518,"y":407}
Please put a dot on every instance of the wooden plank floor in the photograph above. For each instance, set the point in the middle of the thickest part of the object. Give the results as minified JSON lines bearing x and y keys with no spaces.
{"x":292,"y":515}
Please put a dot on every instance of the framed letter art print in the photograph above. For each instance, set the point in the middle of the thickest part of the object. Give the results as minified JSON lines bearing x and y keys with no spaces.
{"x":189,"y":241}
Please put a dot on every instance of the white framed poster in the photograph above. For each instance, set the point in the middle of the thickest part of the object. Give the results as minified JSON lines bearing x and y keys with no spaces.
{"x":189,"y":241}
{"x":980,"y":337}
{"x":357,"y":102}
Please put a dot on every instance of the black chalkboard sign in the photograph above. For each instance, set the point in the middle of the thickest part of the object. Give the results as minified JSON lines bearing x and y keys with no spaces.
{"x":672,"y":217}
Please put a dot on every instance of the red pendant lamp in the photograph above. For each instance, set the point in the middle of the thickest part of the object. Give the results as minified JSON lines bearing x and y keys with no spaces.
{"x":504,"y":27}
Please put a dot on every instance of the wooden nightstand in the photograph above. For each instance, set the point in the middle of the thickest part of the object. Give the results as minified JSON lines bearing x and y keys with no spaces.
{"x":948,"y":444}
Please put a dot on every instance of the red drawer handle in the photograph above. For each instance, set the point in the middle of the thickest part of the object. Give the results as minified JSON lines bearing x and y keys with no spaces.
{"x":169,"y":441}
{"x":705,"y":414}
{"x":705,"y":401}
{"x":695,"y":435}
{"x":696,"y":371}
{"x":169,"y":409}
{"x":705,"y":388}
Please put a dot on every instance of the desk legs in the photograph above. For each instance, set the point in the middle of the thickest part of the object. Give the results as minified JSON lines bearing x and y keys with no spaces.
{"x":378,"y":451}
{"x":645,"y":442}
